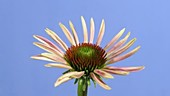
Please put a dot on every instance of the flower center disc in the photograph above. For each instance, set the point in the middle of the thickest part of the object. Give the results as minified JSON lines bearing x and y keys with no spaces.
{"x":85,"y":57}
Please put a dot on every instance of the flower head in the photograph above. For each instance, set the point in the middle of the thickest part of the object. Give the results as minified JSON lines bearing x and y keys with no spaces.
{"x":86,"y":59}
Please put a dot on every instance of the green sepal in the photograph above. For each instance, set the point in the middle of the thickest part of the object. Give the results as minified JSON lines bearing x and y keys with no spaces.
{"x":94,"y":82}
{"x":88,"y":82}
{"x":76,"y":80}
{"x":66,"y":71}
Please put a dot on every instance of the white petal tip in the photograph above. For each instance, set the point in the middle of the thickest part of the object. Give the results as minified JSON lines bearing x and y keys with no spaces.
{"x":46,"y":29}
{"x":34,"y":36}
{"x":47,"y":65}
{"x":82,"y":17}
{"x":56,"y":84}
{"x":127,"y":73}
{"x":60,"y":24}
{"x":134,"y":39}
{"x":112,"y":77}
{"x":35,"y":43}
{"x":32,"y":57}
{"x":37,"y":37}
{"x":103,"y":20}
{"x":122,"y":31}
{"x":129,"y":33}
{"x":142,"y":67}
{"x":70,"y":22}
{"x":139,"y":47}
{"x":109,"y":88}
{"x":136,"y":49}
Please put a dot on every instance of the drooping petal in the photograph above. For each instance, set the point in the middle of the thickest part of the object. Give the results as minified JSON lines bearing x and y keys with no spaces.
{"x":129,"y":69}
{"x":84,"y":30}
{"x":48,"y":42}
{"x":54,"y":57}
{"x":114,"y":39}
{"x":101,"y":33}
{"x":58,"y":65}
{"x":119,"y":44}
{"x":56,"y":38}
{"x":99,"y":81}
{"x":68,"y":34}
{"x":57,"y":83}
{"x":40,"y":57}
{"x":48,"y":48}
{"x":117,"y":72}
{"x":103,"y":73}
{"x":119,"y":58}
{"x":121,"y":50}
{"x":92,"y":30}
{"x":68,"y":76}
{"x":74,"y":33}
{"x":74,"y":74}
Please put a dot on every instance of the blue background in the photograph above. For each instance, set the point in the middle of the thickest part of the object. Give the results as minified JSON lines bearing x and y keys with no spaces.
{"x":148,"y":20}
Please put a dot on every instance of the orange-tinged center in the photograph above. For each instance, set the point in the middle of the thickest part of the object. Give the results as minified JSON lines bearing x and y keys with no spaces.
{"x":86,"y":57}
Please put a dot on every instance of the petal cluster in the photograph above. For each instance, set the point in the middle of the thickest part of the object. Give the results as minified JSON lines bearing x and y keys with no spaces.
{"x":114,"y":49}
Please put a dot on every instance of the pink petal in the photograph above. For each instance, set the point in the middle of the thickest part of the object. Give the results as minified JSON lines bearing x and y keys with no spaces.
{"x":119,"y":44}
{"x":103,"y":73}
{"x":40,"y":57}
{"x":99,"y":81}
{"x":48,"y":42}
{"x":119,"y":58}
{"x":101,"y":33}
{"x":56,"y":38}
{"x":68,"y":76}
{"x":58,"y":65}
{"x":129,"y":69}
{"x":92,"y":30}
{"x":117,"y":72}
{"x":74,"y":33}
{"x":84,"y":30}
{"x":48,"y":48}
{"x":121,"y":50}
{"x":57,"y":83}
{"x":68,"y":34}
{"x":54,"y":57}
{"x":114,"y":39}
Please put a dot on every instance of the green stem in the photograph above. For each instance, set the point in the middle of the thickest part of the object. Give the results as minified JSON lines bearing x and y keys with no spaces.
{"x":82,"y":86}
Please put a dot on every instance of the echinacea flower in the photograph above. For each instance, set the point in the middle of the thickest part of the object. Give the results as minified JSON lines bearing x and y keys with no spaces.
{"x":86,"y":61}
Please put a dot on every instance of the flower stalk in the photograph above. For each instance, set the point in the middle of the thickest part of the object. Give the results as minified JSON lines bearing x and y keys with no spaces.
{"x":82,"y":86}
